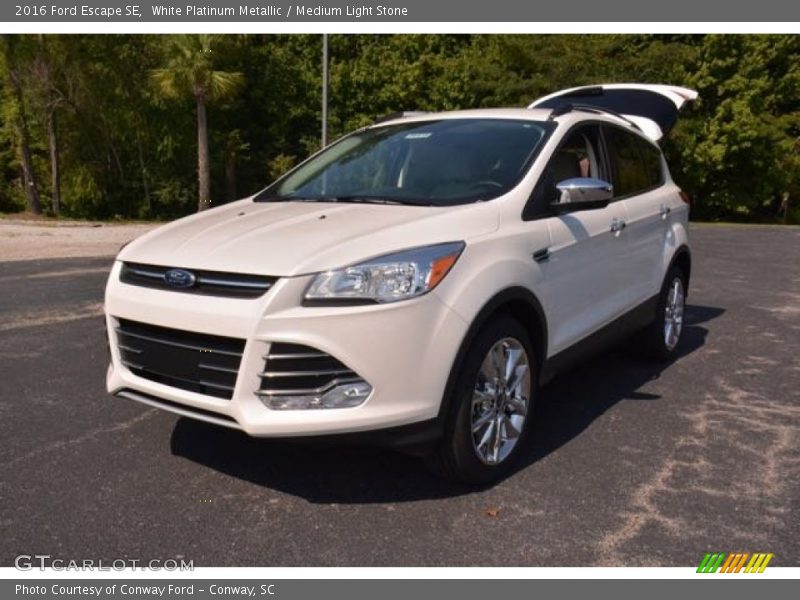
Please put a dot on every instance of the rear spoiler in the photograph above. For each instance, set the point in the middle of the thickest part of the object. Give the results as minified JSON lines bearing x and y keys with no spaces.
{"x":653,"y":108}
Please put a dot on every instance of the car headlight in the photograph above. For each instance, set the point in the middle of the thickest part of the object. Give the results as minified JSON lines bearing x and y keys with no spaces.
{"x":388,"y":278}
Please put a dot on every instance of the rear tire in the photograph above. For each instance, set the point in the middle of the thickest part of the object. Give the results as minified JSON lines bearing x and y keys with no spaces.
{"x":491,"y":405}
{"x":661,"y":338}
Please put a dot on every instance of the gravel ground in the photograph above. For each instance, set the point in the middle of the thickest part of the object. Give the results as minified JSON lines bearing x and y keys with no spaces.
{"x":28,"y":240}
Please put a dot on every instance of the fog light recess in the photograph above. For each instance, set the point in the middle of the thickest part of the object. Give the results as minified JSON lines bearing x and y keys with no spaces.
{"x":345,"y":395}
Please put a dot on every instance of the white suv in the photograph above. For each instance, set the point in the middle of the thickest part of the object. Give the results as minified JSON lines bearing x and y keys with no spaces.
{"x":416,"y":281}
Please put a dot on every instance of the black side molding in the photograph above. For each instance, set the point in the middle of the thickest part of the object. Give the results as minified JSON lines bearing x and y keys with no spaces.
{"x":625,"y":325}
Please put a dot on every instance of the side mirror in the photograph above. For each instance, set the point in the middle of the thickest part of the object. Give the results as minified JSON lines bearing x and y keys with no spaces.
{"x":582,"y":193}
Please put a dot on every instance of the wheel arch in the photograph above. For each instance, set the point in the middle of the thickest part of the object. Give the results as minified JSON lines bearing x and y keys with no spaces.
{"x":682,"y":258}
{"x":517,"y":302}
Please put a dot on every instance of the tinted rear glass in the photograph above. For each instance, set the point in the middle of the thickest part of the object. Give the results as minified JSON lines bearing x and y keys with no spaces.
{"x":630,"y":173}
{"x":651,"y":157}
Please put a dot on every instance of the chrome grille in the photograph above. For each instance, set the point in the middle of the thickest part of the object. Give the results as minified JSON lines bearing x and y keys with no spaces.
{"x":292,"y":369}
{"x":196,"y":362}
{"x":209,"y":283}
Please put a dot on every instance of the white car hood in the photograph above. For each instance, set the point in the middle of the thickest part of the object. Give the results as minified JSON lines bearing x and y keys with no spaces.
{"x":295,"y":238}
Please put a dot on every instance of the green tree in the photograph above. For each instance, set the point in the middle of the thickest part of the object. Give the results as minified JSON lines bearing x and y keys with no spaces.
{"x":48,"y":85}
{"x":738,"y":155}
{"x":92,"y":112}
{"x":189,"y":71}
{"x":12,"y":56}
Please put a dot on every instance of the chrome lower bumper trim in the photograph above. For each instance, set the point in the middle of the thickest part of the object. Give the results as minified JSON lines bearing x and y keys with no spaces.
{"x":180,"y":409}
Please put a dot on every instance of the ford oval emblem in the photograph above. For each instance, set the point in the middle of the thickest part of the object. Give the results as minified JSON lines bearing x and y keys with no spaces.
{"x":179,"y":278}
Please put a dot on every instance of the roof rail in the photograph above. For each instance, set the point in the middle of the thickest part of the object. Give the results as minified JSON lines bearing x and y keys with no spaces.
{"x":568,"y":107}
{"x":399,"y":115}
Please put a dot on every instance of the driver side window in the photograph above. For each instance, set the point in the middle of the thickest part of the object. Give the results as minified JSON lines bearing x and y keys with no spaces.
{"x":580,"y":154}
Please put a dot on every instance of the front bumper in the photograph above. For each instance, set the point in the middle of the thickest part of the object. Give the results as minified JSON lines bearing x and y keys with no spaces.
{"x":405,"y":351}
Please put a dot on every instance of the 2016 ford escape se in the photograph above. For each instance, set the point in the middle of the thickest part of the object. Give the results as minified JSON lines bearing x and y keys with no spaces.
{"x":416,"y":281}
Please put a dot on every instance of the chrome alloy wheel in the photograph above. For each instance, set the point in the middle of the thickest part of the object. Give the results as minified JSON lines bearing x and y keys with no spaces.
{"x":673,"y":314}
{"x":500,"y":401}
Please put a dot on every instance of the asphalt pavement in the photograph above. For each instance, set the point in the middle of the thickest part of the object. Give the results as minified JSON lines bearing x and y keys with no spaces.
{"x":632,"y":463}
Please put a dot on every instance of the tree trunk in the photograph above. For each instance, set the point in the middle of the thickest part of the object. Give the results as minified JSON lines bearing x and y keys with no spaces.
{"x":143,"y":169}
{"x":24,"y":148}
{"x":230,"y":175}
{"x":55,"y":162}
{"x":203,"y":167}
{"x":50,"y":104}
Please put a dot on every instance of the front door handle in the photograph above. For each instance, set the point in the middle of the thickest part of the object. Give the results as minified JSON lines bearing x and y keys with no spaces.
{"x":542,"y":255}
{"x":617,"y":225}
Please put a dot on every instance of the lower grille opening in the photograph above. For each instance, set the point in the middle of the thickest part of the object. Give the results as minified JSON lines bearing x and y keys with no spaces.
{"x":195,"y":362}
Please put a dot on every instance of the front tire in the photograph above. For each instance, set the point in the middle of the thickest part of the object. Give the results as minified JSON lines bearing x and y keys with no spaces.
{"x":491,"y":405}
{"x":661,"y":338}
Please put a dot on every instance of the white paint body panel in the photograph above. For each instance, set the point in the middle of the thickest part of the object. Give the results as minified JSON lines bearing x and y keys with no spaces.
{"x":587,"y":275}
{"x":405,"y":350}
{"x":295,"y":238}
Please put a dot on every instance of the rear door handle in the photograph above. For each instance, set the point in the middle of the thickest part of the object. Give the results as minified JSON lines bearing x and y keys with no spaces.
{"x":665,"y":210}
{"x":617,"y":225}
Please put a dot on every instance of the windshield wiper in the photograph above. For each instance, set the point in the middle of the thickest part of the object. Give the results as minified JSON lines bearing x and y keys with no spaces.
{"x":287,"y":199}
{"x":358,"y":200}
{"x":354,"y":199}
{"x":380,"y":200}
{"x":361,"y":199}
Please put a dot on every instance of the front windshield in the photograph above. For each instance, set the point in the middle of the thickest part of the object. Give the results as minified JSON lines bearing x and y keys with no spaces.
{"x":438,"y":163}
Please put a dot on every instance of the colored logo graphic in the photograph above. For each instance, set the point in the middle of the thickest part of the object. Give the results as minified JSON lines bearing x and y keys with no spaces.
{"x":735,"y":562}
{"x":180,"y":278}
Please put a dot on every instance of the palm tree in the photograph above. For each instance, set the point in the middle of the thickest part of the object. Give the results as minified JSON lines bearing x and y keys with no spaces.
{"x":189,"y":72}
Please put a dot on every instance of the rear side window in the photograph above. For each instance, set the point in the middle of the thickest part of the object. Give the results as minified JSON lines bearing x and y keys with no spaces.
{"x":651,"y":156}
{"x":637,"y":165}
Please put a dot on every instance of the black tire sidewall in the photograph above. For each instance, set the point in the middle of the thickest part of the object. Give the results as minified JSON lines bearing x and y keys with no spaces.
{"x":458,"y":437}
{"x":657,"y":333}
